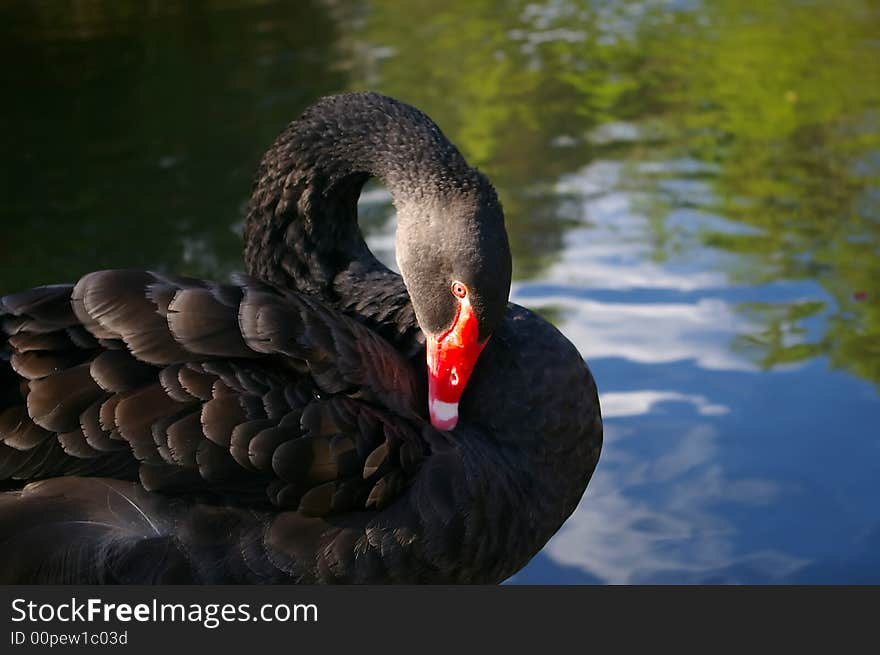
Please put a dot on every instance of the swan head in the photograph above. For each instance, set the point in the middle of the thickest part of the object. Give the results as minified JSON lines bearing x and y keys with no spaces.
{"x":454,"y":255}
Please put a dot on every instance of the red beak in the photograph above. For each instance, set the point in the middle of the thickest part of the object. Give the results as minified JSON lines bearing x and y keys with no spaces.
{"x":451,"y":359}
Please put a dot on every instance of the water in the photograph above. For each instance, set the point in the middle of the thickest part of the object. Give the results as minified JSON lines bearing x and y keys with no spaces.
{"x":691,"y":191}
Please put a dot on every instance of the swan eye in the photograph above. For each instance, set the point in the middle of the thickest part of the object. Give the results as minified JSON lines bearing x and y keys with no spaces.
{"x":458,"y":289}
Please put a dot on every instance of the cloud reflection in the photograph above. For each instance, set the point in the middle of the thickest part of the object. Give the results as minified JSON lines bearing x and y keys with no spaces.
{"x":653,"y":522}
{"x":650,"y":514}
{"x":649,"y":332}
{"x":612,"y":252}
{"x":633,"y":403}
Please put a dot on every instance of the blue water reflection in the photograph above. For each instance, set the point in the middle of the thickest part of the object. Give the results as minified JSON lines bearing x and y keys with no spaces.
{"x":713,"y":470}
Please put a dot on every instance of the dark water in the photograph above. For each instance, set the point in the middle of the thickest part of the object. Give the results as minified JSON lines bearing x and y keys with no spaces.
{"x":692,"y":191}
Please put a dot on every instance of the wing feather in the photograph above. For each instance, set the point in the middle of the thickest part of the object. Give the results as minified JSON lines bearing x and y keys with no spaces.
{"x":196,"y":386}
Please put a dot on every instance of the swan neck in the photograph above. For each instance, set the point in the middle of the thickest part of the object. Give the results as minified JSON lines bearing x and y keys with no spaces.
{"x":301,"y":230}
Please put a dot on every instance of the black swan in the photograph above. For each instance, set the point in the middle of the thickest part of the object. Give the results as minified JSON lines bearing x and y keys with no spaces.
{"x":162,"y":429}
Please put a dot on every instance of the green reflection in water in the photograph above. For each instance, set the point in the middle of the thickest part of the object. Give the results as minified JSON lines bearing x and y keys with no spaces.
{"x":784,"y":99}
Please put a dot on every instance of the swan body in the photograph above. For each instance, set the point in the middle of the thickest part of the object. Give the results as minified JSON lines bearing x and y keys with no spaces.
{"x":290,"y":426}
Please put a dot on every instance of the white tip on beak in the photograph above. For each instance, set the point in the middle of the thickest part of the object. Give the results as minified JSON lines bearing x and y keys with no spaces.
{"x":444,"y":416}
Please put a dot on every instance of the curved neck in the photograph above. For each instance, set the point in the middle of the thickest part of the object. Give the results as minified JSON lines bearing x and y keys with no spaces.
{"x":301,"y":229}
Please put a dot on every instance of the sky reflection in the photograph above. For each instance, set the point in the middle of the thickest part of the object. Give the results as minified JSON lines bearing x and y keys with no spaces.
{"x":689,"y":489}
